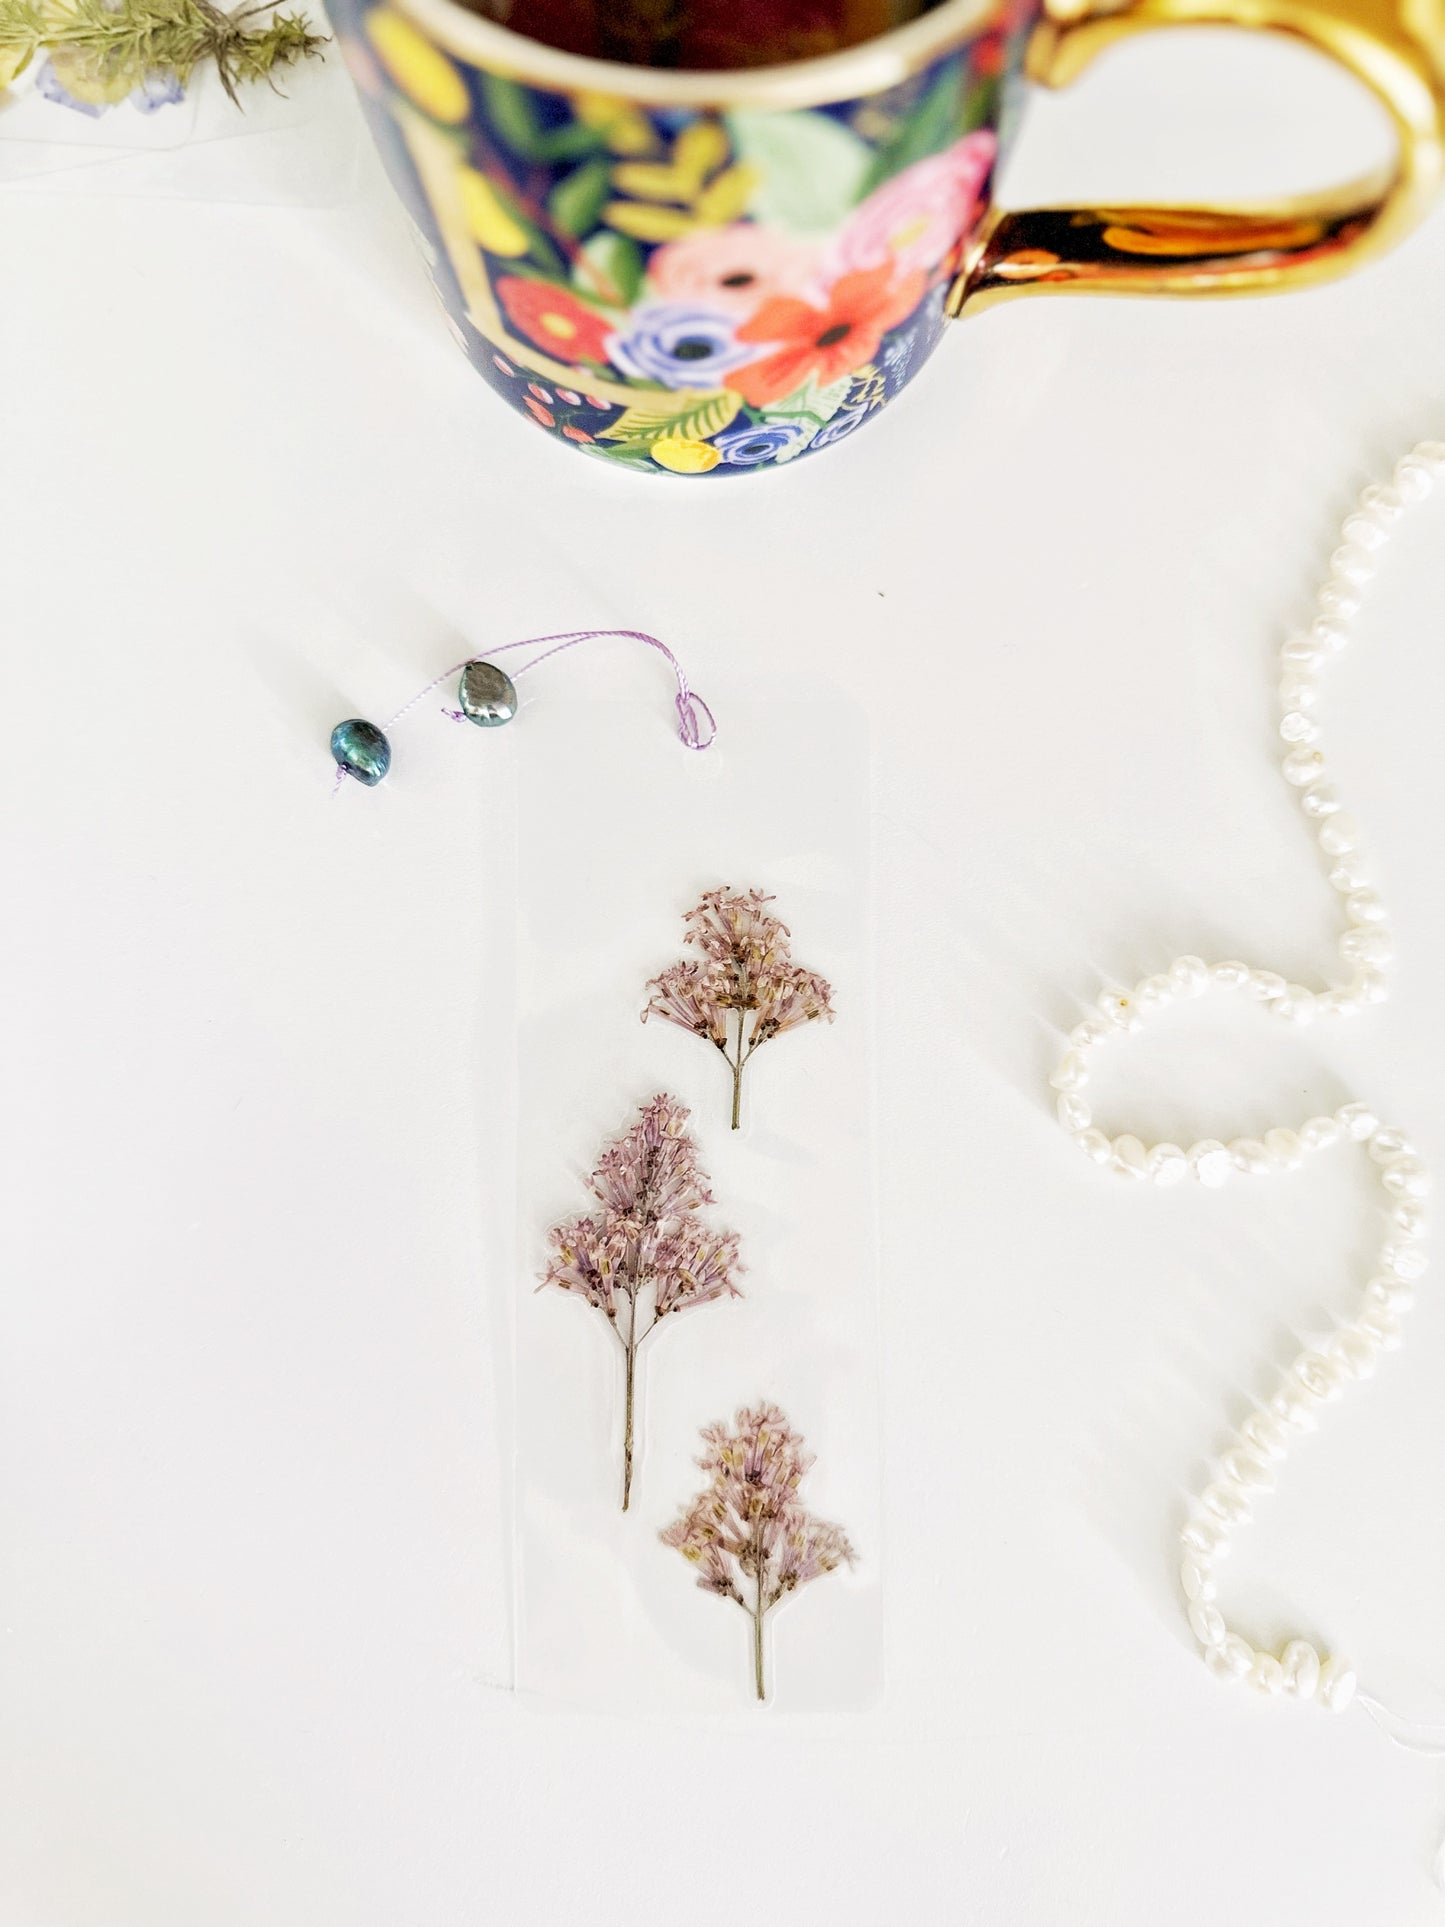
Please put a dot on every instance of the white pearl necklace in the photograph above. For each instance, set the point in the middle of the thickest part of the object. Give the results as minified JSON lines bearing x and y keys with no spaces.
{"x":1320,"y":1373}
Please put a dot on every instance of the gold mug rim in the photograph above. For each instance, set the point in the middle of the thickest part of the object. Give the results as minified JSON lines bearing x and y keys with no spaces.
{"x":869,"y":68}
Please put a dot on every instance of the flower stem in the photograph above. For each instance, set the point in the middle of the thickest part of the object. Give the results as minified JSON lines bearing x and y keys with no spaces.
{"x":758,"y":1639}
{"x":627,"y":1430}
{"x":736,"y":1064}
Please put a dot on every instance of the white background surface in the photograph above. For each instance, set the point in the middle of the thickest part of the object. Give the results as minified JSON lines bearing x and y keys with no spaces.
{"x":253,"y":1553}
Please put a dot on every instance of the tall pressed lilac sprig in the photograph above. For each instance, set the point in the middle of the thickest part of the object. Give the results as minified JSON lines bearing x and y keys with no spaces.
{"x":644,"y":1254}
{"x":745,"y":968}
{"x":748,"y":1533}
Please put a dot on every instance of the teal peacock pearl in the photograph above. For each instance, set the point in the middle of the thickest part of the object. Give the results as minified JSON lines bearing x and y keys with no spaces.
{"x":359,"y":748}
{"x":487,"y":695}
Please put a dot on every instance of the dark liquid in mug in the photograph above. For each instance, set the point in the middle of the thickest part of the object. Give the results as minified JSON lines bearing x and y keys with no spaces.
{"x":708,"y":34}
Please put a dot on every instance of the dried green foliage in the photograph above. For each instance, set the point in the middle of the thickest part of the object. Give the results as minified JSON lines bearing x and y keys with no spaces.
{"x":115,"y":44}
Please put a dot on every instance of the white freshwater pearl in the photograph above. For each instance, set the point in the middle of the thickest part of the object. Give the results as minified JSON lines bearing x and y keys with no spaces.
{"x":1411,"y":1217}
{"x":1318,"y":1376}
{"x":1321,"y":801}
{"x":1154,"y":992}
{"x":1388,"y":1144}
{"x":1333,"y":635}
{"x":1250,"y":1156}
{"x":1365,"y":906}
{"x":1118,"y":1007}
{"x":1234,"y":1656}
{"x":1350,"y":873}
{"x":1231,"y":973}
{"x":1358,"y":1120}
{"x":1189,"y":976}
{"x":1366,"y":530}
{"x":1352,"y":563}
{"x":1266,"y":985}
{"x":1084,"y":1036}
{"x":1413,"y":478}
{"x":1266,"y":1675}
{"x":1339,"y":833}
{"x":1197,"y":1580}
{"x":1372,"y":944}
{"x":1298,"y":691}
{"x":1167,"y":1164}
{"x":1340,"y":600}
{"x":1300,"y":1665}
{"x":1208,"y":1622}
{"x":1303,"y":766}
{"x":1095,"y":1146}
{"x":1294,"y":1408}
{"x":1264,"y":1434}
{"x":1357,"y":1351}
{"x":1319,"y":1132}
{"x":1210,"y":1162}
{"x":1284,"y":1148}
{"x":1301,"y":652}
{"x":1074,"y":1113}
{"x":1337,"y":1003}
{"x":1381,"y":1324}
{"x":1297,"y":1006}
{"x":1246,"y":1470}
{"x":1383,"y":502}
{"x":1371,"y":986}
{"x":1226,"y":1501}
{"x":1203,"y":1533}
{"x":1131,"y":1158}
{"x":1407,"y":1261}
{"x":1072,"y":1073}
{"x":1432,"y":454}
{"x":1393,"y":1293}
{"x":1336,"y":1685}
{"x":1407,"y":1177}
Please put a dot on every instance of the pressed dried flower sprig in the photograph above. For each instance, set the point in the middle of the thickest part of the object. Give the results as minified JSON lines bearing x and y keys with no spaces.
{"x":645,"y":1254}
{"x":748,"y":1531}
{"x":102,"y":50}
{"x":746,"y":968}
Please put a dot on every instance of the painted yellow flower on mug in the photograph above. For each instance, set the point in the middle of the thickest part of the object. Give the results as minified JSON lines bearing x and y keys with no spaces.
{"x":681,"y":455}
{"x":422,"y":71}
{"x":487,"y":219}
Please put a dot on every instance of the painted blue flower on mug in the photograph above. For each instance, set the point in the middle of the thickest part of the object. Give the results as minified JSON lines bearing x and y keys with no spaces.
{"x":681,"y":347}
{"x":842,"y":424}
{"x":766,"y":442}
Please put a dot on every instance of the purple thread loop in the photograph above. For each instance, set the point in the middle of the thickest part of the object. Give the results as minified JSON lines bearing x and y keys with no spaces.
{"x":689,"y":705}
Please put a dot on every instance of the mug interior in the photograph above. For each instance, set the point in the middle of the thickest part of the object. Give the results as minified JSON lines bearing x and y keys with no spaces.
{"x":869,"y":67}
{"x":717,"y":35}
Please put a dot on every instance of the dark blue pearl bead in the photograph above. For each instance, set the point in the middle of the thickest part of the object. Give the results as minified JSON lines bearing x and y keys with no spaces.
{"x":359,"y":748}
{"x":487,"y":695}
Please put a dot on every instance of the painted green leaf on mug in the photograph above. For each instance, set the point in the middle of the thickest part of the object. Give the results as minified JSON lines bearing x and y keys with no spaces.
{"x":514,"y":119}
{"x":810,"y":402}
{"x":687,"y":416}
{"x":811,"y":168}
{"x":576,"y":200}
{"x":936,"y":122}
{"x":609,"y":265}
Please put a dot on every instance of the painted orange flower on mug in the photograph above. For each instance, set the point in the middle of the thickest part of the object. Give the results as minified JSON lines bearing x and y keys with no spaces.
{"x":819,"y":344}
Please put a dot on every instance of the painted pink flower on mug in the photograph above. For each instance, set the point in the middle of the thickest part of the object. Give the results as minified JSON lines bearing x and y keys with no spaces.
{"x":734,"y":268}
{"x":915,"y":219}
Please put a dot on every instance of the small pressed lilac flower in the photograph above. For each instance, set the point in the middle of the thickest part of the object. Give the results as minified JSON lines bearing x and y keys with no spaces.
{"x":648,"y":1239}
{"x":749,"y":1535}
{"x":746,"y":967}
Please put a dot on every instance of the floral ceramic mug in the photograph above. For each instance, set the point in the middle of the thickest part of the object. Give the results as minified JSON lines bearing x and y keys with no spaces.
{"x":712,"y":273}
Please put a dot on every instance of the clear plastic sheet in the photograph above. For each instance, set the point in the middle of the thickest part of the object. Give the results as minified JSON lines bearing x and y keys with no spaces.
{"x":299,"y":144}
{"x":621,"y":830}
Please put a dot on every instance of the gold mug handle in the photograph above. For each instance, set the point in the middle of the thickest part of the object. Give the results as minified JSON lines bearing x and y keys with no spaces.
{"x":1396,"y":47}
